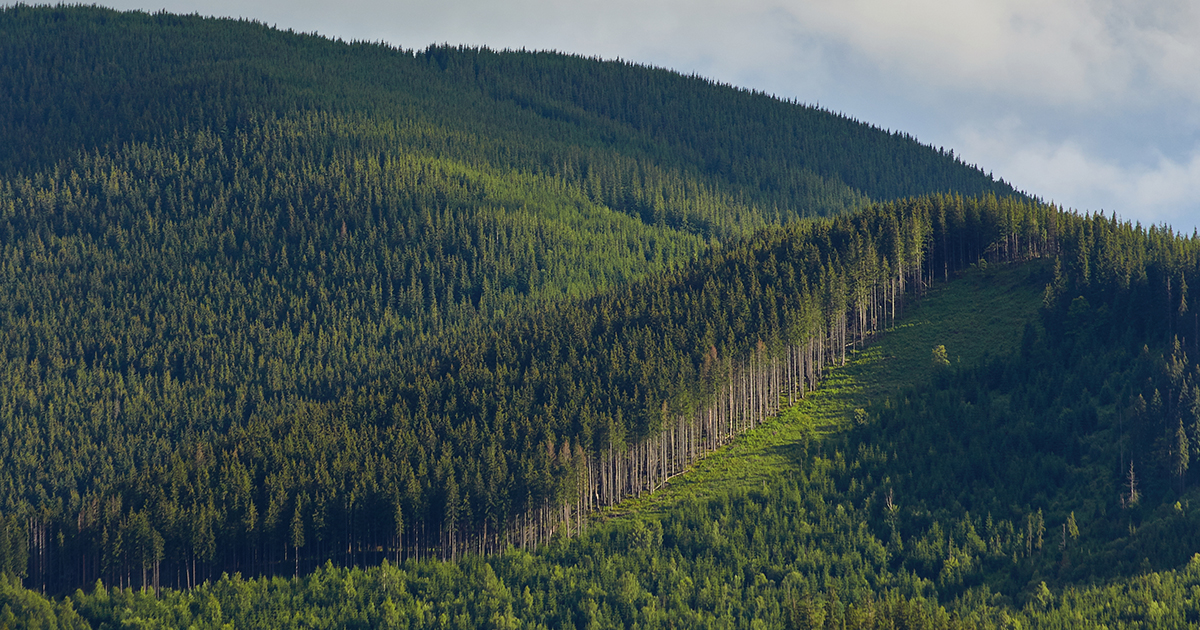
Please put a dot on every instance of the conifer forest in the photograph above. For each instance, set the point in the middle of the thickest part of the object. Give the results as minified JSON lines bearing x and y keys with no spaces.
{"x":304,"y":333}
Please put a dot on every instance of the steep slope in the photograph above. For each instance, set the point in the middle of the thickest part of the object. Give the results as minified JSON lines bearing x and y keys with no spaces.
{"x":979,"y":315}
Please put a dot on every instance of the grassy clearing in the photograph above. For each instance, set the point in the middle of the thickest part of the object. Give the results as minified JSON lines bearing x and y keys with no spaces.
{"x":979,"y":314}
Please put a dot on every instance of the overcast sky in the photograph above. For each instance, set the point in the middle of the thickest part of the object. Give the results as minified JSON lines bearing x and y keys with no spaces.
{"x":1094,"y":104}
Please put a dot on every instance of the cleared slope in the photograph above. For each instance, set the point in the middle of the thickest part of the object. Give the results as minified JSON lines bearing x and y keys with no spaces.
{"x":981,"y":314}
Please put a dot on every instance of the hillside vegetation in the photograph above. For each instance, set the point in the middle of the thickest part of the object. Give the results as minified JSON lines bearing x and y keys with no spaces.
{"x":269,"y":299}
{"x":991,"y":492}
{"x":304,"y":333}
{"x":1003,"y":298}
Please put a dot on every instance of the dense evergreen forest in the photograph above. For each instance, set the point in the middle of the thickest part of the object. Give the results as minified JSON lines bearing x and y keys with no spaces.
{"x":1047,"y":487}
{"x":271,"y":299}
{"x":299,"y":332}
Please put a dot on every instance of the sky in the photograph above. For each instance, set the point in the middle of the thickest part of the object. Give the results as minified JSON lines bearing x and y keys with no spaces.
{"x":1092,"y":104}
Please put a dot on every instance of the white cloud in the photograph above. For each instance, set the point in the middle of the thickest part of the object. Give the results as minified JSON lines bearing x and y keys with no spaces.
{"x":1086,"y":53}
{"x":1164,"y":191}
{"x":1082,"y":53}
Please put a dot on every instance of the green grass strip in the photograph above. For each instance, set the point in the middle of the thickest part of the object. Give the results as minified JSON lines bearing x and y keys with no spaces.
{"x":981,"y":313}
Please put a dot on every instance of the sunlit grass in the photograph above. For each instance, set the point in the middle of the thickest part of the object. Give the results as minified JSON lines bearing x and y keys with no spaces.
{"x":982,"y":313}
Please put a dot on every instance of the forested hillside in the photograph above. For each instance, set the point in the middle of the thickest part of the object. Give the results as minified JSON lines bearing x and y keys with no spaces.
{"x":993,"y":495}
{"x":300,"y":332}
{"x":321,"y":447}
{"x":81,"y":78}
{"x":269,"y":299}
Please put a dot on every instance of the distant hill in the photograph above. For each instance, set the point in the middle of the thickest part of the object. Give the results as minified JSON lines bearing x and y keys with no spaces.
{"x":80,"y":78}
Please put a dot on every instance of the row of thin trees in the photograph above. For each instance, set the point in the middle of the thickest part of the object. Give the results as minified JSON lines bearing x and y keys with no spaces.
{"x":779,"y":310}
{"x":746,"y":391}
{"x":755,"y":387}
